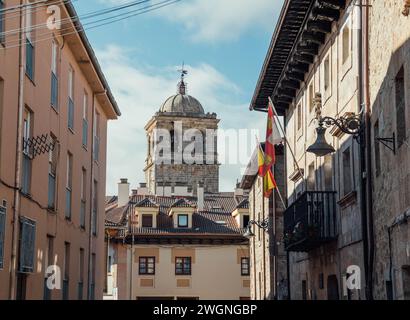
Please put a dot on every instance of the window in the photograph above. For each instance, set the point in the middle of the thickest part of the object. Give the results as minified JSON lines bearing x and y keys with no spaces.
{"x":92,"y":285}
{"x":311,"y":97}
{"x":52,"y":174}
{"x":246,"y":220}
{"x":66,"y":280}
{"x":299,"y":116}
{"x":71,"y":98}
{"x":311,"y":179}
{"x":83,"y":197}
{"x":1,"y":108}
{"x":400,"y":108}
{"x":328,"y":172}
{"x":147,"y":265}
{"x":377,"y":158}
{"x":69,"y":185}
{"x":81,"y":275}
{"x":326,"y":71}
{"x":346,"y":43}
{"x":2,"y":234}
{"x":29,"y":42}
{"x":27,"y":245}
{"x":85,"y":121}
{"x":54,"y":78}
{"x":182,"y":221}
{"x":95,"y":209}
{"x":183,"y":266}
{"x":406,"y":281}
{"x":347,"y":172}
{"x":2,"y":21}
{"x":147,"y":220}
{"x":27,"y":135}
{"x":245,"y":266}
{"x":96,"y":136}
{"x":48,"y":261}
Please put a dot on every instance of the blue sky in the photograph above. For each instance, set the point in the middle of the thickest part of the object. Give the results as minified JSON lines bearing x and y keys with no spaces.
{"x":223,"y":44}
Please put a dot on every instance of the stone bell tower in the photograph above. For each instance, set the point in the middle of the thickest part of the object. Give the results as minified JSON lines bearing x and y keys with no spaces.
{"x":192,"y":156}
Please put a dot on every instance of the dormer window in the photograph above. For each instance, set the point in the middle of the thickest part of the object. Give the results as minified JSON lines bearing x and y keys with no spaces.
{"x":183,"y":221}
{"x":147,"y":221}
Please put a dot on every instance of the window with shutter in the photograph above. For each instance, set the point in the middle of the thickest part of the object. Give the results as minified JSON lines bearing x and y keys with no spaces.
{"x":2,"y":232}
{"x":27,"y":245}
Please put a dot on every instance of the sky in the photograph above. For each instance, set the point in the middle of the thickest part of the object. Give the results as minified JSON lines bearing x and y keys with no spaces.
{"x":223,"y":44}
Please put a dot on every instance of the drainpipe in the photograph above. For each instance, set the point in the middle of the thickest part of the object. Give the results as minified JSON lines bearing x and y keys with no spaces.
{"x":369,"y":156}
{"x":19,"y":148}
{"x":91,"y":201}
{"x":365,"y":151}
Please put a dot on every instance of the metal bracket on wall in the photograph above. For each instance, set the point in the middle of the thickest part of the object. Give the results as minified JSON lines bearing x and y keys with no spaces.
{"x":389,"y":143}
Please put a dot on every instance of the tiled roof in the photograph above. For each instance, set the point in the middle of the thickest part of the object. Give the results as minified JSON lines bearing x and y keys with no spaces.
{"x":215,"y":219}
{"x":182,"y":203}
{"x":244,"y":204}
{"x":147,"y":202}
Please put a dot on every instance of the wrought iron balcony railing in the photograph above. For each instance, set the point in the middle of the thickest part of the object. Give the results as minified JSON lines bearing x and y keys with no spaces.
{"x":310,"y":221}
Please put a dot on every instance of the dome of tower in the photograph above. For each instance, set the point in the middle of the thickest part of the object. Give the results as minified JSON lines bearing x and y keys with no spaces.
{"x":182,"y":103}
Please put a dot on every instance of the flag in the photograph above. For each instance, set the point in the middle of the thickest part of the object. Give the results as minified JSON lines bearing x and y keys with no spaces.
{"x":269,"y":182}
{"x":273,"y":138}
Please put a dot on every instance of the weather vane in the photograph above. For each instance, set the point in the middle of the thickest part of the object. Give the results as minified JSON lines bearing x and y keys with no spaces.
{"x":182,"y":85}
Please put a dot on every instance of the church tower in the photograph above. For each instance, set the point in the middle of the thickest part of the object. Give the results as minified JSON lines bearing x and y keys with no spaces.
{"x":192,"y":158}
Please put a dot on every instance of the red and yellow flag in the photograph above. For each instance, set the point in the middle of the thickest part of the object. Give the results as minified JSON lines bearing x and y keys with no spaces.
{"x":273,"y":138}
{"x":269,"y":183}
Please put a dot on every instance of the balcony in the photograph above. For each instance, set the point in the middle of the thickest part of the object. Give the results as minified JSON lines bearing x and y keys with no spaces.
{"x":310,"y":221}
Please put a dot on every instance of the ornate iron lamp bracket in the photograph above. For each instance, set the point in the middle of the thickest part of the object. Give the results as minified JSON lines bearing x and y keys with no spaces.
{"x":264,"y":224}
{"x":351,"y":124}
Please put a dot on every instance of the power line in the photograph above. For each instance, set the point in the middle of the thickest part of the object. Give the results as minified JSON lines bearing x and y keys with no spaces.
{"x":124,"y":16}
{"x":76,"y":18}
{"x":37,"y":7}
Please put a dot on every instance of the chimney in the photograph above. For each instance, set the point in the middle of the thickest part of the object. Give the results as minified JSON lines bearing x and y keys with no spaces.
{"x":123,"y":192}
{"x":238,"y":190}
{"x":201,"y":197}
{"x":142,"y":190}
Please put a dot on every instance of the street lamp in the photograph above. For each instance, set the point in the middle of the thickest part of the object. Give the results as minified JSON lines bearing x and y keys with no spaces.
{"x":264,"y":224}
{"x":350,"y":124}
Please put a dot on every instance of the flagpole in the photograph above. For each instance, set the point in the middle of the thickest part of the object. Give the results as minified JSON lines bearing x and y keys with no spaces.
{"x":286,"y":140}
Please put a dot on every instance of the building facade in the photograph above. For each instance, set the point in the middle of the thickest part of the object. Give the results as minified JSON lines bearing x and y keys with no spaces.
{"x":389,"y":99}
{"x":177,"y":248}
{"x":312,"y":71}
{"x":54,"y":108}
{"x":182,"y":146}
{"x":269,"y":278}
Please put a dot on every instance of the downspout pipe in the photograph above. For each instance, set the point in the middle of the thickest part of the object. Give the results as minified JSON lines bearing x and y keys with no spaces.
{"x":365,"y":150}
{"x":90,"y":237}
{"x":369,"y":176}
{"x":19,"y":148}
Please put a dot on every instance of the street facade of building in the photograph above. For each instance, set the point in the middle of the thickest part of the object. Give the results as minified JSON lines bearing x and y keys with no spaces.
{"x":322,"y":224}
{"x":389,"y":95}
{"x":165,"y":248}
{"x":268,"y":273}
{"x":54,"y":108}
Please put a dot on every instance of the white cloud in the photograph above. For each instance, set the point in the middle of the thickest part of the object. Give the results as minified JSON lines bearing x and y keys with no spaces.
{"x":140,"y":92}
{"x":220,"y":20}
{"x":216,"y":20}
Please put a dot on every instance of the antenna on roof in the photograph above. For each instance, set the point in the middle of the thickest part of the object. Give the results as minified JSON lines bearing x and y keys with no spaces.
{"x":182,"y":84}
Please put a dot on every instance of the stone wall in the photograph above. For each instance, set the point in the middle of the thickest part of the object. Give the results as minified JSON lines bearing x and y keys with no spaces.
{"x":390,"y":51}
